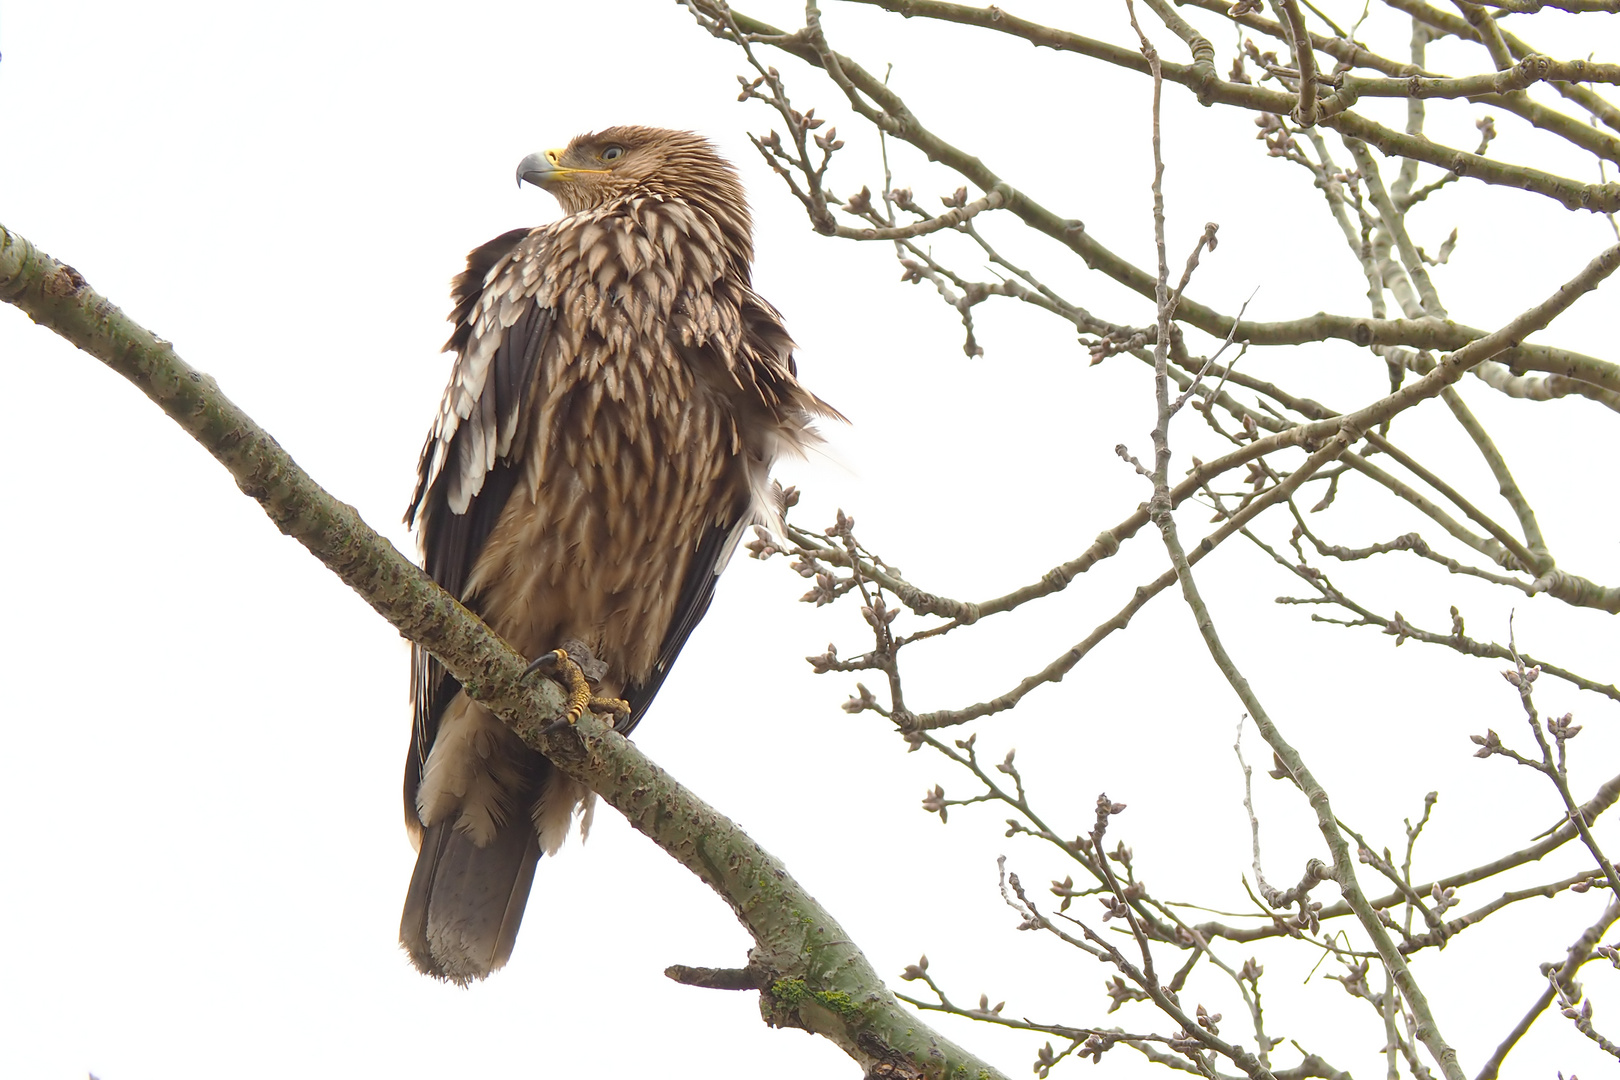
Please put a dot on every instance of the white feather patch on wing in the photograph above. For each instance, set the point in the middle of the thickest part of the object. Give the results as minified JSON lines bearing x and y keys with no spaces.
{"x":510,"y":286}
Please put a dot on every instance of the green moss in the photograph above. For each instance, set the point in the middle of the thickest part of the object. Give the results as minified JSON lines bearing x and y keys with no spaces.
{"x":789,"y":991}
{"x":839,"y":1002}
{"x":794,"y":993}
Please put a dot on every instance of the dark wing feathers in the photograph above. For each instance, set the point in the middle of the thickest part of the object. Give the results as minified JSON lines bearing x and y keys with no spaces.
{"x":452,"y":542}
{"x":697,"y":590}
{"x":468,"y":285}
{"x":516,"y":358}
{"x":460,"y":537}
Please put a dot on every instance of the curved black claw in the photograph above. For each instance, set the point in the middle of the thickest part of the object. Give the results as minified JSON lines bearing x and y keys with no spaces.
{"x":560,"y":665}
{"x":546,"y":663}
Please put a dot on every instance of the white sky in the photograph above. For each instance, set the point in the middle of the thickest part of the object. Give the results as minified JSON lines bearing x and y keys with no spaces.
{"x":205,"y":730}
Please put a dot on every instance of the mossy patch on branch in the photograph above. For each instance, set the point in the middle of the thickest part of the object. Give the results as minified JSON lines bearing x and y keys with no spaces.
{"x":794,"y":993}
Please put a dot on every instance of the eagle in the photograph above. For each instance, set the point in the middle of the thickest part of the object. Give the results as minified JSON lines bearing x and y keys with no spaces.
{"x":618,"y":395}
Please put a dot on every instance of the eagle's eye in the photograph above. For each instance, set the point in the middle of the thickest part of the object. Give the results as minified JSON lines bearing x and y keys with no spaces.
{"x":613,"y":153}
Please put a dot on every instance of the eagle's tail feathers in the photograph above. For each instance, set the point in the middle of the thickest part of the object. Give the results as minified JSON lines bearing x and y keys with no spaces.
{"x":465,"y":902}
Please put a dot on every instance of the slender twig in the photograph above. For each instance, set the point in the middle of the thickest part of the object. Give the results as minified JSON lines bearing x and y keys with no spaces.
{"x":1579,"y":954}
{"x":892,"y":116}
{"x":1555,"y":771}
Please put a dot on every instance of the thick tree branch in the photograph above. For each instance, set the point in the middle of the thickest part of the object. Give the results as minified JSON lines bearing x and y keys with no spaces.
{"x":814,"y":977}
{"x":1448,"y":23}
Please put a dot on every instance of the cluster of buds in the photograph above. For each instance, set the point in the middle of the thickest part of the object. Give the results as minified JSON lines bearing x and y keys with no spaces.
{"x":1114,"y":908}
{"x":1562,"y":728}
{"x":1115,"y":342}
{"x":763,"y":545}
{"x":916,"y":971}
{"x":1106,"y":810}
{"x":1098,"y":1043}
{"x":986,"y":1009}
{"x":826,"y":662}
{"x":1355,"y":980}
{"x":1443,"y":898}
{"x":827,"y":587}
{"x":1488,"y":743}
{"x":1267,"y":60}
{"x":877,"y":614}
{"x":750,"y":88}
{"x":1524,"y":678}
{"x":1278,"y":139}
{"x":830,"y":141}
{"x":863,"y":700}
{"x":1119,"y":992}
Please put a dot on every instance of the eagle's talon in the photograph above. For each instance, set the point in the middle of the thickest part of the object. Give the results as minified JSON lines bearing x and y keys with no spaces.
{"x":562,"y":667}
{"x":544,"y":663}
{"x":617,"y":708}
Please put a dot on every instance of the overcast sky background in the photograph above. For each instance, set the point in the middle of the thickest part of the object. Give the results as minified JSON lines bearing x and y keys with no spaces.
{"x":204,"y":733}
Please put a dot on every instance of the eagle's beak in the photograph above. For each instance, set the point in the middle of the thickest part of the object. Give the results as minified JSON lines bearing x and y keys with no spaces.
{"x":541,"y":168}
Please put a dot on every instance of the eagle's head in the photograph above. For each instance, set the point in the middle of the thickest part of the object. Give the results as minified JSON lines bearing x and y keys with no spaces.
{"x":604,"y":167}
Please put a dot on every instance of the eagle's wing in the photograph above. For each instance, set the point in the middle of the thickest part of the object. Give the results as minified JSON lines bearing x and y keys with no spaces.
{"x":761,"y":359}
{"x":473,"y":461}
{"x":697,"y":590}
{"x":472,"y":456}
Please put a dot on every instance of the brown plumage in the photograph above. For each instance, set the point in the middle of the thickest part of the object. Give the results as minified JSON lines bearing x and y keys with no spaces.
{"x":619,"y":393}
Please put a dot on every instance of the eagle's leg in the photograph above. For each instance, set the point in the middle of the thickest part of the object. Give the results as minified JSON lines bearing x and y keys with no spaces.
{"x":580,"y":695}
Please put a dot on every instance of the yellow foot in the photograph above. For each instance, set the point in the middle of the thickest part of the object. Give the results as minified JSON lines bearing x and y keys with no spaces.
{"x":618,"y":708}
{"x":580,"y":695}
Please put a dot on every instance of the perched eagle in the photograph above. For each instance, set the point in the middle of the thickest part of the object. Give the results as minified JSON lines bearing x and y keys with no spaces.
{"x":618,"y":396}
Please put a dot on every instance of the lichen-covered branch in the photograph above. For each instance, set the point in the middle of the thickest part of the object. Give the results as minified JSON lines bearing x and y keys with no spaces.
{"x":810,"y":974}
